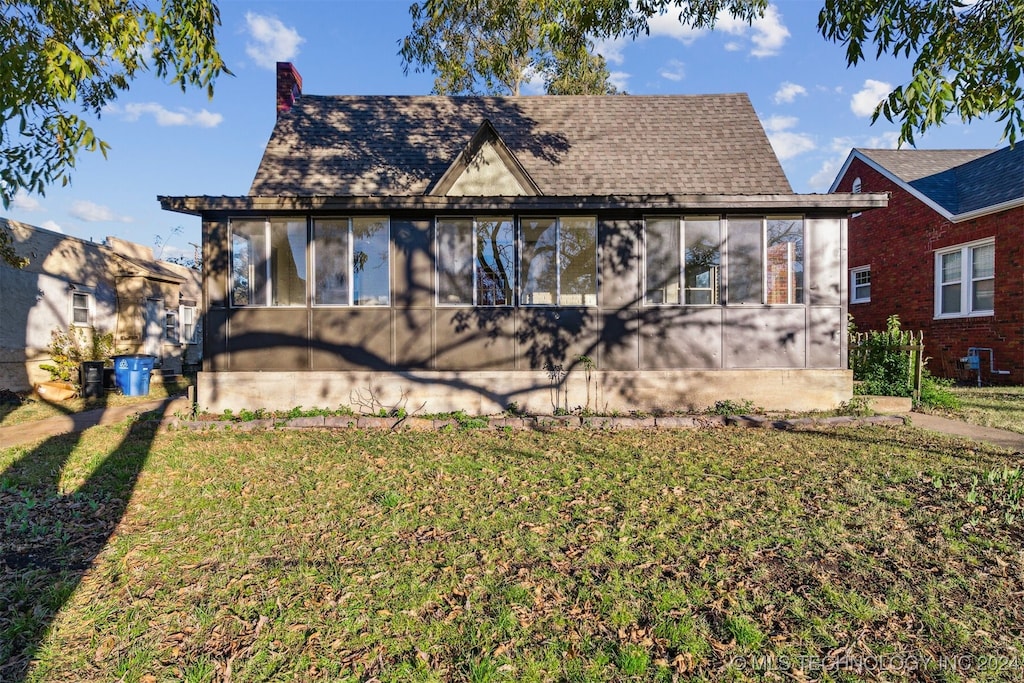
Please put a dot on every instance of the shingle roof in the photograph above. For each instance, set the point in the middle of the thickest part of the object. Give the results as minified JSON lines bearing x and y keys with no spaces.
{"x":570,"y":146}
{"x":958,"y":180}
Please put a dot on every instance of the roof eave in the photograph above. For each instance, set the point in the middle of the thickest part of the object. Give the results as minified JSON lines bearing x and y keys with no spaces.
{"x":839,"y":202}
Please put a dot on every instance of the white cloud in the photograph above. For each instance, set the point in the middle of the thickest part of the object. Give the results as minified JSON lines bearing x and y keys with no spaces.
{"x":90,"y":212}
{"x":840,"y":148}
{"x":272,"y":41}
{"x":620,"y":79}
{"x":611,"y":49}
{"x":769,"y":33}
{"x":533,"y":83}
{"x":786,"y":143}
{"x":24,"y":201}
{"x":675,"y":70}
{"x":865,"y":100}
{"x":52,"y":225}
{"x":668,"y":25}
{"x":787,"y":92}
{"x":165,"y":117}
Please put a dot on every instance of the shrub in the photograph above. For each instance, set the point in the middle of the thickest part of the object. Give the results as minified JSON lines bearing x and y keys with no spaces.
{"x":70,"y":349}
{"x":881,"y":364}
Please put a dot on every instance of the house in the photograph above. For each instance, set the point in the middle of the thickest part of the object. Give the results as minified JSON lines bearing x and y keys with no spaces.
{"x":150,"y":306}
{"x":477,"y":253}
{"x":946,"y":255}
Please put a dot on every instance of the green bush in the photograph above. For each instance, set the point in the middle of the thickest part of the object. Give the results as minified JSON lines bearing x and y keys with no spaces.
{"x":880,"y":367}
{"x":935,"y":392}
{"x":68,"y":350}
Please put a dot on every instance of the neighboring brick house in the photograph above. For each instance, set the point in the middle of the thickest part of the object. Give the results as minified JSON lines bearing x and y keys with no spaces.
{"x":610,"y":252}
{"x":151,"y":306}
{"x":947,"y":255}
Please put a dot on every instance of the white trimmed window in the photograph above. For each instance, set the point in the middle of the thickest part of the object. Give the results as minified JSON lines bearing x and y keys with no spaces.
{"x":860,"y":285}
{"x":171,"y":326}
{"x":475,"y":261}
{"x":81,"y":306}
{"x":268,"y":262}
{"x":682,"y":260}
{"x":965,"y":278}
{"x":559,"y":261}
{"x":188,"y":324}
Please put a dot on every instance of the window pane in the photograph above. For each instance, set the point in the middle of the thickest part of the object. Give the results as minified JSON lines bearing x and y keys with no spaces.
{"x":744,"y":266}
{"x":703,"y":254}
{"x":983,"y":260}
{"x":951,"y":298}
{"x":495,"y":264}
{"x":330,"y":247}
{"x":983,"y":295}
{"x":578,"y":255}
{"x":248,"y":263}
{"x":538,"y":265}
{"x":455,"y":262}
{"x":288,"y":262}
{"x":951,"y":267}
{"x":785,"y":261}
{"x":371,"y":281}
{"x":81,"y":316}
{"x":662,"y":255}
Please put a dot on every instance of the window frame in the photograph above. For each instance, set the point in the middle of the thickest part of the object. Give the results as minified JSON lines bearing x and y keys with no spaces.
{"x":854,"y":272}
{"x":513,"y":271}
{"x":172,"y":333}
{"x":520,"y":251}
{"x":188,"y":328}
{"x":681,"y":252}
{"x":966,"y":280}
{"x":729,"y":267}
{"x":77,"y":290}
{"x":269,"y":261}
{"x":349,"y":261}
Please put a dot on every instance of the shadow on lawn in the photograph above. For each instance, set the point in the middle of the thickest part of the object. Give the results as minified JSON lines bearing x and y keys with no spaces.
{"x":49,"y":537}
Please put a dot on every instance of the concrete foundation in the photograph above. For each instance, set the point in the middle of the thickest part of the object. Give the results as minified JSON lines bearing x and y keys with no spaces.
{"x":486,"y":392}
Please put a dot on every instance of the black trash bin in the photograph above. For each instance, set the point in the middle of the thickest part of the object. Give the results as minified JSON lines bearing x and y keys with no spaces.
{"x":91,"y":378}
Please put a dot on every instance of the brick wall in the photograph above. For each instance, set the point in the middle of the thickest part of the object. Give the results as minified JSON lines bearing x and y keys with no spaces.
{"x":899,"y":244}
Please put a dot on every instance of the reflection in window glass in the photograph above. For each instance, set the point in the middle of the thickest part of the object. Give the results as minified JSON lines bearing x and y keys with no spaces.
{"x":745,"y":261}
{"x":983,"y":287}
{"x":352,"y":262}
{"x":703,"y":259}
{"x":540,"y":267}
{"x":785,"y":275}
{"x":248,"y":263}
{"x":371,"y":277}
{"x":455,"y":261}
{"x":578,"y":262}
{"x":951,"y":269}
{"x":330,"y":240}
{"x":288,"y":262}
{"x":663,"y":260}
{"x":495,"y":264}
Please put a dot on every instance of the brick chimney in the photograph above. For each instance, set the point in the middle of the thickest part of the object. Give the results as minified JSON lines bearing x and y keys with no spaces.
{"x":289,"y":86}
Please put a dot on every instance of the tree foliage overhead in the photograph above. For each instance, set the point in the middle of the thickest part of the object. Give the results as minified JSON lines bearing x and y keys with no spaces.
{"x":63,"y":60}
{"x":496,"y":46}
{"x":967,"y":55}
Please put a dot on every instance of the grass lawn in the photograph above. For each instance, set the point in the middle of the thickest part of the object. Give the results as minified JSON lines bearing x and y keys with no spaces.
{"x":882,"y":553}
{"x":1001,"y":407}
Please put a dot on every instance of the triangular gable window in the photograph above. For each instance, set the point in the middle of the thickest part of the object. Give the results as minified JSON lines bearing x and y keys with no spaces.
{"x":485,"y":168}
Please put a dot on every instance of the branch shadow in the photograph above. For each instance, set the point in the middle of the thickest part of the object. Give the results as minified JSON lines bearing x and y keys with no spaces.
{"x":50,"y":537}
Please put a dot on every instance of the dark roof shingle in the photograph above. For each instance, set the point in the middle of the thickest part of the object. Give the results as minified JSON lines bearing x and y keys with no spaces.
{"x":570,"y":146}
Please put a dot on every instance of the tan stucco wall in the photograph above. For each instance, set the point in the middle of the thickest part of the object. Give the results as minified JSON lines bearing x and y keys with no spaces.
{"x":483,"y":393}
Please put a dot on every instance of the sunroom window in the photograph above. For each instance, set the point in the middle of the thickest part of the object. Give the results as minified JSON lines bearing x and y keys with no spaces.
{"x":559,"y":261}
{"x":475,"y":261}
{"x":268,"y":262}
{"x":683,"y":258}
{"x":351,"y":261}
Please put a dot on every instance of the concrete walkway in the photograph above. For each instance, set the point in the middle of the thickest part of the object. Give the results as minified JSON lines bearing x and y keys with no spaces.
{"x":28,"y":432}
{"x":998,"y":437}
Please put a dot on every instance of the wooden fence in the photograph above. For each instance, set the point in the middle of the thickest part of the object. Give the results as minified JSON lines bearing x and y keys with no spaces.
{"x":867,"y":347}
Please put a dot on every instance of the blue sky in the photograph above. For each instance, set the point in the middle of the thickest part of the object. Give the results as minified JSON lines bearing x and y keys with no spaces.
{"x":163,"y":142}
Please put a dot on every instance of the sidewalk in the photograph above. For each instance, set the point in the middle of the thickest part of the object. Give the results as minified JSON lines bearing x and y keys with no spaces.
{"x":998,"y":437}
{"x":15,"y":435}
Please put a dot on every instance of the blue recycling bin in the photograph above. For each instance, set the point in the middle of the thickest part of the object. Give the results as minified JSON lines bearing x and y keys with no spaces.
{"x":131,"y":373}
